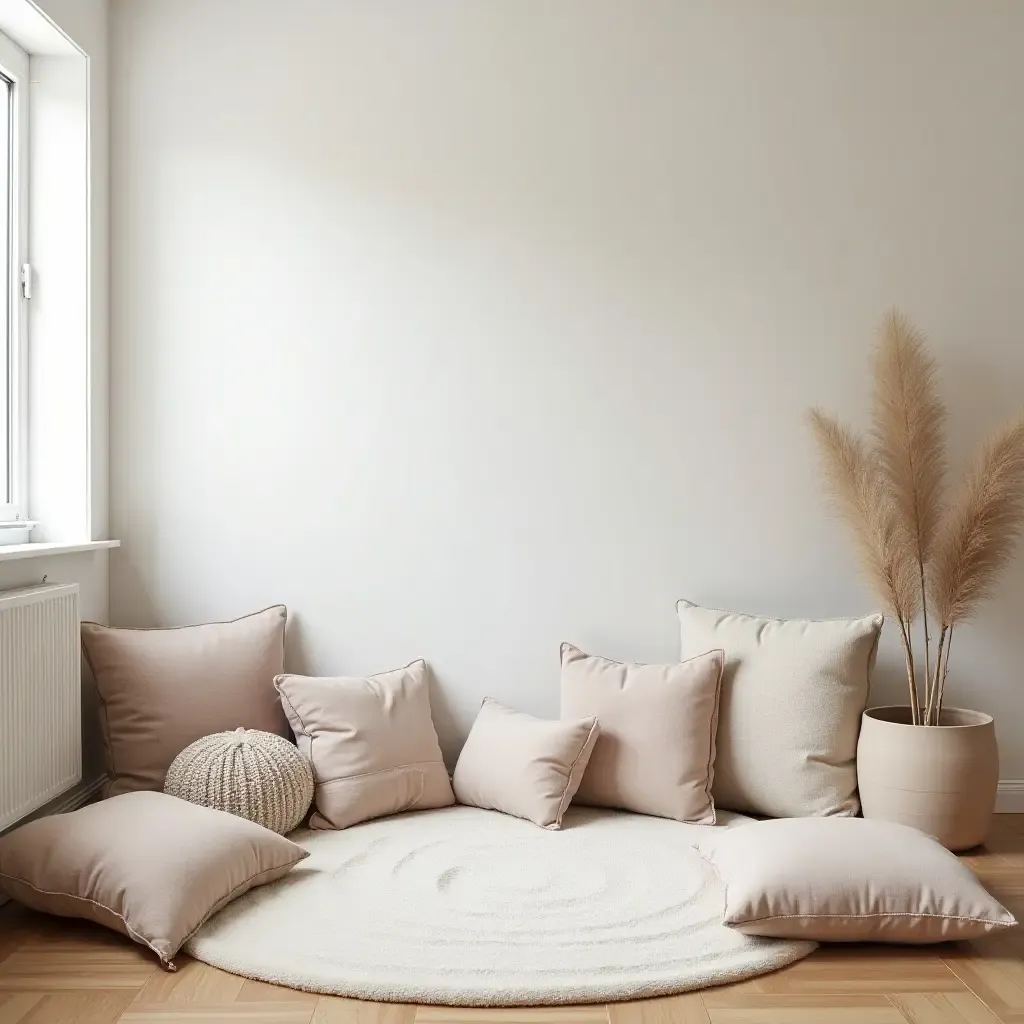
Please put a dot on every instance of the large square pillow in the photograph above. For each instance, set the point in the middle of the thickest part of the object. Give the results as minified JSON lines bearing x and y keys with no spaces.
{"x":850,"y":880}
{"x":793,"y":692}
{"x":162,"y":689}
{"x":521,"y":765}
{"x":372,"y":743}
{"x":656,"y":750}
{"x":150,"y":866}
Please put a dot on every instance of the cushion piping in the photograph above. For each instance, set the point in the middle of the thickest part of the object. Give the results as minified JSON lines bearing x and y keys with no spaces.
{"x":563,"y":803}
{"x":895,"y":913}
{"x":686,"y":603}
{"x":709,"y":775}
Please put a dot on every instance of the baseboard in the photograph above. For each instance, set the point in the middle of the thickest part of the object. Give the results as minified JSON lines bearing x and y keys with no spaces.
{"x":1010,"y":796}
{"x":75,"y":798}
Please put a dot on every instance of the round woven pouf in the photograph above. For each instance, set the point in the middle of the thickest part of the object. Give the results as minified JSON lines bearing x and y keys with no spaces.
{"x":255,"y":775}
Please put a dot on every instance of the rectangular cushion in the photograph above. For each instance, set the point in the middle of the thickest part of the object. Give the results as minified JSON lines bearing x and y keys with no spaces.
{"x":521,"y":765}
{"x":793,"y":692}
{"x":850,"y":880}
{"x":656,"y":750}
{"x":150,"y":866}
{"x":162,"y":689}
{"x":371,"y":741}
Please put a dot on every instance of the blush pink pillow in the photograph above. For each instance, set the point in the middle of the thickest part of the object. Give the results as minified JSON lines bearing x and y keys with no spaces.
{"x":521,"y":765}
{"x":162,"y":689}
{"x":656,"y":751}
{"x":371,"y":741}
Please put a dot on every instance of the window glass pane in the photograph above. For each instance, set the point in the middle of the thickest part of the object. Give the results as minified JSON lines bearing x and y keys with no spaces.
{"x":6,"y":298}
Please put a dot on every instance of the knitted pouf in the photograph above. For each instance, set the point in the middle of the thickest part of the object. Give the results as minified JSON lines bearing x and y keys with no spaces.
{"x":255,"y":775}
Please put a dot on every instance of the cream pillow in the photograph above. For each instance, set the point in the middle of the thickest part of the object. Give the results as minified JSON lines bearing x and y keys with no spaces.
{"x":656,"y":750}
{"x":521,"y":765}
{"x":372,"y":743}
{"x":150,"y":866}
{"x":850,"y":880}
{"x":793,"y":692}
{"x":162,"y":689}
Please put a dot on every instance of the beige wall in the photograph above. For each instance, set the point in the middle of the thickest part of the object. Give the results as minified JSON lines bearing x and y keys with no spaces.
{"x":468,"y":328}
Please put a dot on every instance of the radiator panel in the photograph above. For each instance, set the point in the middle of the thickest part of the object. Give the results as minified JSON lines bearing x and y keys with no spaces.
{"x":40,"y":698}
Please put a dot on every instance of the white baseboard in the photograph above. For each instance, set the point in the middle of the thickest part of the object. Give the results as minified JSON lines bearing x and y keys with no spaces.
{"x":1010,"y":796}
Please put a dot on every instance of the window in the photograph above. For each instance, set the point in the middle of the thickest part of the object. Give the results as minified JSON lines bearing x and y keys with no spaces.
{"x":13,"y":256}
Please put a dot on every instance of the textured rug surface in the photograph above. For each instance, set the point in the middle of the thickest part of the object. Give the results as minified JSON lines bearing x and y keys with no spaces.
{"x":474,"y":908}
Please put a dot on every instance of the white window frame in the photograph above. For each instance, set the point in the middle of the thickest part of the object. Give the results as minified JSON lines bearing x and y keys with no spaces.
{"x":14,"y":65}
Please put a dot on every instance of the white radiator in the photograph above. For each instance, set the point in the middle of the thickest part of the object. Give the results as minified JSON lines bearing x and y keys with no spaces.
{"x":40,"y":698}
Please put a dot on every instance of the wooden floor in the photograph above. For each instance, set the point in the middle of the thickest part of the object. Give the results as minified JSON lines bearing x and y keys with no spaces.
{"x":61,"y":972}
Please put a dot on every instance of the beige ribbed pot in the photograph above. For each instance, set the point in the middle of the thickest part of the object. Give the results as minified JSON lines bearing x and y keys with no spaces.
{"x":940,"y":779}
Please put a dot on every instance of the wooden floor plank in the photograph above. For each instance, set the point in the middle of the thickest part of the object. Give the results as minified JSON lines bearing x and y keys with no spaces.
{"x":84,"y":1007}
{"x":858,"y":971}
{"x":192,"y":982}
{"x":997,"y":981}
{"x":821,"y":1013}
{"x":53,"y":967}
{"x":943,"y":1008}
{"x":593,"y":1014}
{"x":14,"y":1006}
{"x":265,"y":1012}
{"x":335,"y":1010}
{"x":685,"y":1009}
{"x":258,"y":991}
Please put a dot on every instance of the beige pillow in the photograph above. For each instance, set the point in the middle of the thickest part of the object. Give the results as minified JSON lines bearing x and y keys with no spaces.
{"x":150,"y":866}
{"x":162,"y":689}
{"x":849,"y":880}
{"x":521,"y":765}
{"x":793,"y":693}
{"x":656,"y":750}
{"x":372,"y":743}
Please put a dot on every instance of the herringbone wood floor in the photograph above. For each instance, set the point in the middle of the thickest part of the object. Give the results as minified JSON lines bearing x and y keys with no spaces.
{"x":63,"y":972}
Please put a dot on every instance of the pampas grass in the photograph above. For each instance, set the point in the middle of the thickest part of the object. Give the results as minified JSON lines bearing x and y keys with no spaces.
{"x":859,"y":494}
{"x":977,"y":538}
{"x":912,"y":549}
{"x":908,"y":418}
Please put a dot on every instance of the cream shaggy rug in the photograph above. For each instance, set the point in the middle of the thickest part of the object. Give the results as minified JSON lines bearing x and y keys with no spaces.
{"x":474,"y":908}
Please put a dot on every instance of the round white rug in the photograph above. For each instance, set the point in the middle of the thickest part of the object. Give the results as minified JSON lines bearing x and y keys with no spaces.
{"x":474,"y":908}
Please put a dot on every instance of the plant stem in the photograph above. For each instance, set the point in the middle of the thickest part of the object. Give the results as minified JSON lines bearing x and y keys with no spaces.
{"x":924,"y":612}
{"x":933,"y":684}
{"x":942,"y":681}
{"x":908,"y":653}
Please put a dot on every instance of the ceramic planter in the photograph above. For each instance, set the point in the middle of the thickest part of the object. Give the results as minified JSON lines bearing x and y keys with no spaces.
{"x":940,"y":779}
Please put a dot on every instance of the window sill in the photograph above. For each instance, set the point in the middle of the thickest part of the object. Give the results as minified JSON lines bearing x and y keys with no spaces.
{"x":44,"y":549}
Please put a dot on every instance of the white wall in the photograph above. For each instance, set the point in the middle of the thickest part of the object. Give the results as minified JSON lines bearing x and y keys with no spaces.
{"x":466,"y":329}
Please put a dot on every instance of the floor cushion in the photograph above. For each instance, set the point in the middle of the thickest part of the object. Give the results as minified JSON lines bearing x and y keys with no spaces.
{"x":521,"y":765}
{"x":162,"y":689}
{"x":148,"y":865}
{"x":656,"y":750}
{"x":850,"y":880}
{"x":793,"y":692}
{"x":372,"y":743}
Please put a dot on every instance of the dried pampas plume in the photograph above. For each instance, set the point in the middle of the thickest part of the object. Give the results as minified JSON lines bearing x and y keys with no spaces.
{"x":853,"y":479}
{"x":912,"y":553}
{"x":856,"y":490}
{"x":983,"y":523}
{"x":908,"y":418}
